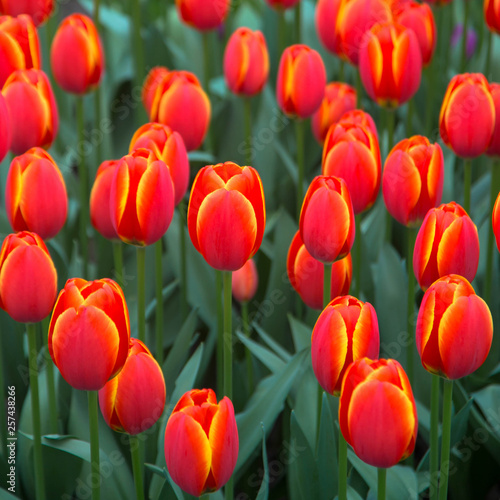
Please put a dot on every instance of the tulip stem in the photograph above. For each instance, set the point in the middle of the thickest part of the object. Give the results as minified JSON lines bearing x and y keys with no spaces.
{"x":281,"y":33}
{"x":495,"y":181}
{"x":299,"y":134}
{"x":298,"y":21}
{"x":411,"y":304}
{"x":342,"y":467}
{"x":434,"y":444}
{"x":182,"y":239}
{"x":137,"y":43}
{"x":341,"y":71}
{"x":141,"y":290}
{"x":96,"y":12}
{"x":159,"y":301}
{"x":94,"y":444}
{"x":446,"y":438}
{"x":327,"y":284}
{"x":136,"y":467}
{"x":409,"y":117}
{"x":391,"y":118}
{"x":207,"y":59}
{"x":35,"y":412}
{"x":488,"y":55}
{"x":220,"y":332}
{"x":248,"y":355}
{"x":248,"y":130}
{"x":382,"y":474}
{"x":118,"y":260}
{"x":50,"y":381}
{"x":464,"y":36}
{"x":359,"y":89}
{"x":97,"y":99}
{"x":357,"y":254}
{"x":467,"y":184}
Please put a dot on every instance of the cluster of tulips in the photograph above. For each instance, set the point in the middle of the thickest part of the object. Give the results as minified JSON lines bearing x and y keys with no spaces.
{"x":133,"y":199}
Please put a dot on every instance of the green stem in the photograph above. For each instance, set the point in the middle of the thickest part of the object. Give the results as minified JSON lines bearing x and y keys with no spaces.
{"x":467,"y":184}
{"x":495,"y":182}
{"x":391,"y":117}
{"x":409,"y":117}
{"x":182,"y":239}
{"x":327,"y":284}
{"x":299,"y":135}
{"x":382,"y":473}
{"x":35,"y":412}
{"x":342,"y":467}
{"x":207,"y":60}
{"x":141,"y":292}
{"x":94,"y":443}
{"x":220,"y":332}
{"x":464,"y":36}
{"x":446,"y":439}
{"x":341,"y":70}
{"x":488,"y":54}
{"x":298,"y":27}
{"x":281,"y":33}
{"x":248,"y":130}
{"x":118,"y":260}
{"x":49,"y":379}
{"x":159,"y":301}
{"x":411,"y":304}
{"x":137,"y":43}
{"x":357,"y":255}
{"x":248,"y":355}
{"x":319,"y":407}
{"x":434,"y":444}
{"x":359,"y":89}
{"x":136,"y":467}
{"x":228,"y":354}
{"x":98,"y":92}
{"x":96,"y":12}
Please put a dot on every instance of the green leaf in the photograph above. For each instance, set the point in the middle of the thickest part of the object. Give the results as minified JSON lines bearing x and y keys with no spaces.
{"x":264,"y":486}
{"x":277,"y":348}
{"x":165,"y":293}
{"x":264,"y":355}
{"x":301,"y":334}
{"x":327,"y":453}
{"x":459,"y":423}
{"x":164,"y":474}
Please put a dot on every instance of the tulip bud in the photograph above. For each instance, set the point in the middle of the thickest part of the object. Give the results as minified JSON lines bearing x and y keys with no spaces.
{"x":28,"y":278}
{"x":38,"y":10}
{"x":492,"y":15}
{"x":495,"y":220}
{"x":494,"y":147}
{"x":245,"y":281}
{"x":201,"y":442}
{"x":203,"y":14}
{"x":89,"y":332}
{"x":5,"y":128}
{"x":282,"y":4}
{"x":454,"y":328}
{"x":327,"y":26}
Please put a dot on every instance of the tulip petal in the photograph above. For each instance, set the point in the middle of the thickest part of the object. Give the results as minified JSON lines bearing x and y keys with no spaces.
{"x":365,"y":338}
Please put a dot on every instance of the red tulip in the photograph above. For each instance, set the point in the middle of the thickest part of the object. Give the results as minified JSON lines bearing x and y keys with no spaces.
{"x":134,"y":400}
{"x":360,"y":117}
{"x":35,"y":194}
{"x":467,"y":102}
{"x":447,"y":243}
{"x":28,"y":278}
{"x":38,"y":10}
{"x":492,"y":15}
{"x":494,"y":147}
{"x":327,"y":27}
{"x":89,"y":332}
{"x":32,"y":109}
{"x":201,"y":442}
{"x":377,"y":412}
{"x":167,"y":146}
{"x":5,"y":128}
{"x":203,"y":14}
{"x":141,"y":198}
{"x":412,"y":182}
{"x":454,"y":328}
{"x":282,"y":4}
{"x":246,"y":62}
{"x":301,"y":81}
{"x":226,"y":214}
{"x":346,"y":330}
{"x":245,"y":281}
{"x":496,"y":221}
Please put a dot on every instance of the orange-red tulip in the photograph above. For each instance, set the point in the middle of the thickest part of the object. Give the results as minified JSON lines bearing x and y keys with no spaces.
{"x":28,"y":278}
{"x":226,"y":214}
{"x":5,"y":128}
{"x":454,"y":328}
{"x":76,"y":55}
{"x":89,"y":332}
{"x":495,"y":220}
{"x":245,"y":281}
{"x":345,"y":331}
{"x":38,"y":10}
{"x":390,"y":64}
{"x":360,"y":117}
{"x":352,"y":153}
{"x":201,"y":442}
{"x":282,"y":4}
{"x":494,"y":147}
{"x":412,"y":182}
{"x":134,"y":400}
{"x":176,"y":99}
{"x":327,"y":219}
{"x":492,"y":15}
{"x":326,"y":17}
{"x":377,"y":412}
{"x":203,"y":14}
{"x":301,"y":81}
{"x":447,"y":243}
{"x":19,"y":45}
{"x":466,"y":103}
{"x":169,"y":147}
{"x":246,"y":62}
{"x":339,"y":98}
{"x":141,"y":198}
{"x":32,"y":109}
{"x":35,"y":194}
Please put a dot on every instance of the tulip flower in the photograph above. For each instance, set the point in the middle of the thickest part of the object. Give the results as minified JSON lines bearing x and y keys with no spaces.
{"x":494,"y":146}
{"x":301,"y":81}
{"x":412,"y":182}
{"x":492,"y":15}
{"x":496,"y":221}
{"x":226,"y":214}
{"x":35,"y":194}
{"x":167,"y":146}
{"x":339,"y":98}
{"x":467,"y":101}
{"x":360,"y":117}
{"x":76,"y":55}
{"x":28,"y":278}
{"x":89,"y":332}
{"x":345,"y":331}
{"x":447,"y":243}
{"x":327,"y":27}
{"x":245,"y":281}
{"x":203,"y":14}
{"x":282,"y":4}
{"x":246,"y":62}
{"x":134,"y":400}
{"x":141,"y":198}
{"x":377,"y":412}
{"x":390,"y":64}
{"x":19,"y":45}
{"x":176,"y":99}
{"x":32,"y":109}
{"x":201,"y":442}
{"x":306,"y":274}
{"x":38,"y":10}
{"x":352,"y":153}
{"x":5,"y":128}
{"x":327,"y":219}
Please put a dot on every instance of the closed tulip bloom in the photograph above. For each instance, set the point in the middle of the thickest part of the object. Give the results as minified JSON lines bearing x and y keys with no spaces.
{"x":133,"y":401}
{"x":34,"y":119}
{"x":76,"y":55}
{"x":345,"y":331}
{"x":467,"y":102}
{"x":203,"y":14}
{"x":246,"y":62}
{"x":141,"y":198}
{"x":201,"y":442}
{"x":352,"y":153}
{"x":454,"y":328}
{"x":412,"y":182}
{"x":494,"y":147}
{"x":339,"y":98}
{"x":390,"y":64}
{"x":327,"y":28}
{"x":226,"y":214}
{"x":306,"y":274}
{"x":28,"y":278}
{"x":19,"y":45}
{"x":282,"y":4}
{"x":89,"y":332}
{"x":377,"y":412}
{"x":38,"y":10}
{"x":245,"y":281}
{"x":360,"y":117}
{"x":447,"y":243}
{"x":151,"y":84}
{"x":169,"y":147}
{"x":301,"y":81}
{"x":5,"y":128}
{"x":35,"y":194}
{"x":492,"y":15}
{"x":496,"y":221}
{"x":327,"y":219}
